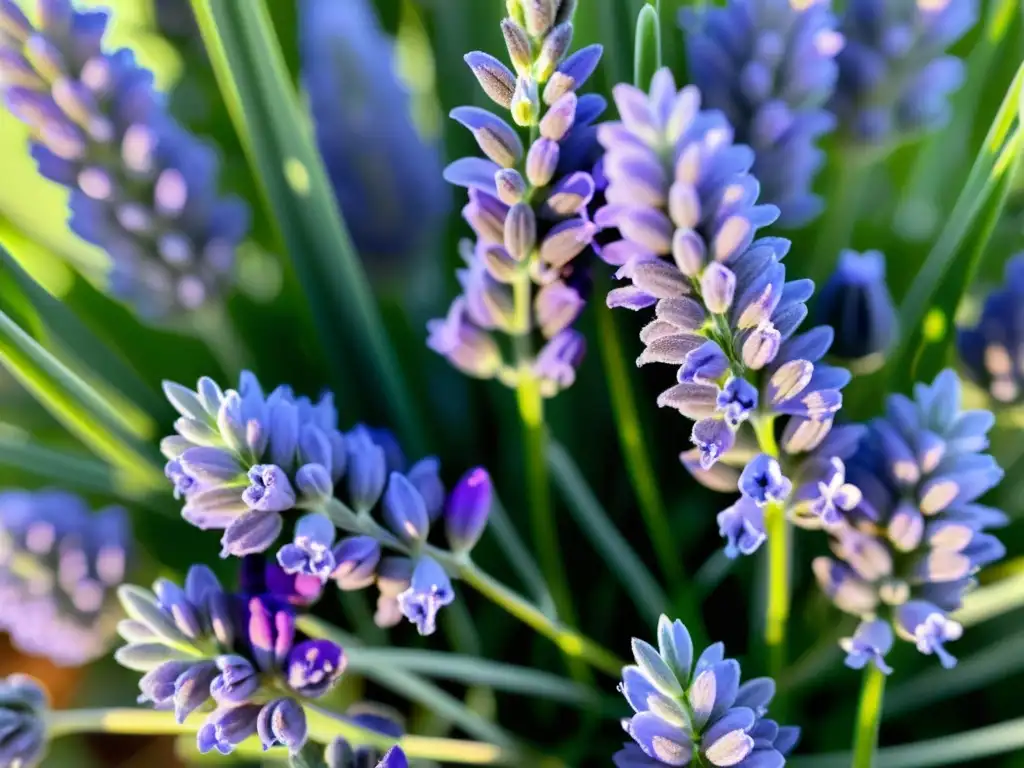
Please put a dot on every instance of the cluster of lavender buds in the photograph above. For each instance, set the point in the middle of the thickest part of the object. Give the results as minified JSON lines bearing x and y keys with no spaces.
{"x":894,"y":76}
{"x":906,"y":553}
{"x":769,"y":65}
{"x":59,"y":566}
{"x":697,"y":715}
{"x":992,"y":350}
{"x":340,"y":754}
{"x":244,"y":462}
{"x":684,"y":205}
{"x":142,"y":188}
{"x":238,"y":655}
{"x":526,"y":273}
{"x":386,"y":178}
{"x":23,"y":706}
{"x":856,"y":302}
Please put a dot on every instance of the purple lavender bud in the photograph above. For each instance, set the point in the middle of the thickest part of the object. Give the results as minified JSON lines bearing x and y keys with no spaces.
{"x":761,"y":346}
{"x":269,"y":489}
{"x":736,"y":401}
{"x":23,"y":700}
{"x":211,"y":466}
{"x":856,"y":302}
{"x":251,"y":532}
{"x":929,"y":628}
{"x":869,"y":644}
{"x":688,"y":251}
{"x":157,"y":685}
{"x":762,"y":481}
{"x":314,"y":484}
{"x":718,"y":286}
{"x":565,"y":241}
{"x":430,"y":590}
{"x":498,"y":140}
{"x":556,"y":307}
{"x":192,"y":689}
{"x":314,"y":666}
{"x":558,"y":120}
{"x":367,"y":470}
{"x":425,"y":475}
{"x":539,"y":16}
{"x":494,"y":77}
{"x":236,"y":682}
{"x":558,"y":360}
{"x":227,"y":728}
{"x":518,"y":44}
{"x":467,"y":509}
{"x":556,"y":44}
{"x":704,"y":365}
{"x":173,"y":600}
{"x":835,"y":495}
{"x":282,"y":721}
{"x":405,"y":511}
{"x":357,"y":558}
{"x":270,"y":634}
{"x":714,"y":438}
{"x":511,"y":186}
{"x":468,"y":348}
{"x":394,"y":758}
{"x":520,"y":232}
{"x":572,"y":73}
{"x":310,"y":551}
{"x":541,"y":162}
{"x":742,"y":526}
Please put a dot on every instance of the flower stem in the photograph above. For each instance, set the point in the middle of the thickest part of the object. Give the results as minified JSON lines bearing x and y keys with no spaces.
{"x":572,"y":643}
{"x":869,"y":717}
{"x":638,"y":460}
{"x":846,"y":194}
{"x":323,"y":728}
{"x":213,"y":325}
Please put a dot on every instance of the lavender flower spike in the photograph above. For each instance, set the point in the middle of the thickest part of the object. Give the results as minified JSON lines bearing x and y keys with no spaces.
{"x":386,"y":177}
{"x":991,"y":350}
{"x":142,"y":188}
{"x":60,"y":564}
{"x":856,"y":302}
{"x":907,"y":552}
{"x":682,"y":216}
{"x":770,"y":67}
{"x":894,"y":74}
{"x":697,"y":714}
{"x":526,"y":274}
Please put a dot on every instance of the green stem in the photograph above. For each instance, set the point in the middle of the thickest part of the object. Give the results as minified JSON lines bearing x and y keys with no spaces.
{"x":323,"y":728}
{"x":845,"y":196}
{"x":869,"y":717}
{"x":571,"y":642}
{"x":214,"y":326}
{"x":638,"y":460}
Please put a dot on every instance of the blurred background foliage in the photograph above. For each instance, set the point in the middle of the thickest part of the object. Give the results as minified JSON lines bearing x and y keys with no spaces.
{"x":901,"y":208}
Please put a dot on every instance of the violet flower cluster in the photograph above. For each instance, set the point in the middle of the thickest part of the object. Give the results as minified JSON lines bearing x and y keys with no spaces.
{"x":684,"y":205}
{"x":340,"y":754}
{"x":857,"y":303}
{"x":769,"y":66}
{"x":906,"y":553}
{"x":238,"y":655}
{"x":894,"y":75}
{"x":993,"y":350}
{"x":697,"y":714}
{"x":60,"y":563}
{"x":23,"y":708}
{"x":253,"y":464}
{"x":142,"y":188}
{"x":526,"y":272}
{"x":386,"y":177}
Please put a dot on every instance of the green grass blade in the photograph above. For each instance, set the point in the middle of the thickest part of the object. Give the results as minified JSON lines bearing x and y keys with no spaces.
{"x":79,"y":407}
{"x":470,"y":670}
{"x":519,"y":557}
{"x":956,"y":749}
{"x":255,"y":83}
{"x":412,"y":687}
{"x":992,"y":600}
{"x":71,"y":471}
{"x":135,"y":399}
{"x":989,"y":166}
{"x":647,"y":53}
{"x":638,"y":582}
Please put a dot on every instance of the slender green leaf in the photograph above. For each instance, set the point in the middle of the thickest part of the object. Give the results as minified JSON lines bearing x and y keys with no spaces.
{"x":81,"y":409}
{"x":638,"y":582}
{"x":647,"y":53}
{"x":412,"y":686}
{"x":254,"y":80}
{"x":519,"y":557}
{"x":81,"y":473}
{"x":134,"y":399}
{"x":989,"y":167}
{"x":985,"y":667}
{"x":471,"y":670}
{"x":992,"y":600}
{"x":955,"y":749}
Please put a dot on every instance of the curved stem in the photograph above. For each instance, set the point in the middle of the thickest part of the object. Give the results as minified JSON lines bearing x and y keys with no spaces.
{"x":323,"y":728}
{"x":869,"y":717}
{"x":638,"y":460}
{"x":572,"y":643}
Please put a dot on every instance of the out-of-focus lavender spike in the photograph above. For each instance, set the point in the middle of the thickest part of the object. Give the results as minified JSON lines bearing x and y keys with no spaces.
{"x":142,"y":188}
{"x":60,"y":565}
{"x":386,"y":176}
{"x":856,"y":302}
{"x":770,"y":67}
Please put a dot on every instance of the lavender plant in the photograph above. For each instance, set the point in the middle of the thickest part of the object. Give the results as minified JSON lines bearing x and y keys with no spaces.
{"x":770,"y":67}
